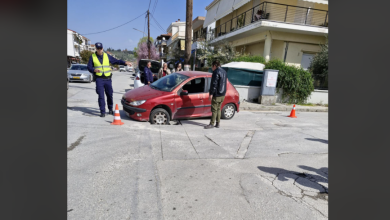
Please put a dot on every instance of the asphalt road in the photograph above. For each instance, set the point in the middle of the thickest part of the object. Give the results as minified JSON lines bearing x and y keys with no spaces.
{"x":259,"y":165}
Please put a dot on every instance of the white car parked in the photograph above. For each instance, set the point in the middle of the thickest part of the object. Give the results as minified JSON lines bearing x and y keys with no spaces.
{"x":122,"y":68}
{"x":137,"y":80}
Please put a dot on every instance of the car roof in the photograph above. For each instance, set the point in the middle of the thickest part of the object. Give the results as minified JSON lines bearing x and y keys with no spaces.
{"x":77,"y":64}
{"x":195,"y":73}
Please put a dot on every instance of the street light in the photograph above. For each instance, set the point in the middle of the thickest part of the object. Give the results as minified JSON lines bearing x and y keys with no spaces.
{"x":139,"y":30}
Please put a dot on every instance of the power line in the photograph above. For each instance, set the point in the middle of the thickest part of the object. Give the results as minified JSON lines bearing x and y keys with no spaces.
{"x":116,"y":26}
{"x":160,"y":29}
{"x":158,"y":24}
{"x":144,"y":26}
{"x":155,"y":5}
{"x":149,"y":4}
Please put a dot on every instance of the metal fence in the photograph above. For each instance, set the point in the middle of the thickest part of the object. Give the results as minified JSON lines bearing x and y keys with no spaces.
{"x":273,"y":12}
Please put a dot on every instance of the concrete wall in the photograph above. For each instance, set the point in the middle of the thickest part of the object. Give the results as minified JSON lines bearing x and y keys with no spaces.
{"x":296,"y":50}
{"x":253,"y":92}
{"x":316,"y":97}
{"x":252,"y":49}
{"x":277,"y":49}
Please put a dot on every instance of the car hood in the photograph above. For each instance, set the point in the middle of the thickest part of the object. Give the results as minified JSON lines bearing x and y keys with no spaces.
{"x":79,"y":71}
{"x":143,"y":93}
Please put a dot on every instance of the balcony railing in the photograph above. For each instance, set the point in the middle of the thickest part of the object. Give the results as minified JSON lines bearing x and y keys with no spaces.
{"x":273,"y":12}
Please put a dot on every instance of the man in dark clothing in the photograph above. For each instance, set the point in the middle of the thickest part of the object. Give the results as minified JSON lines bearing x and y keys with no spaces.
{"x":99,"y":65}
{"x":217,"y":93}
{"x":148,"y":74}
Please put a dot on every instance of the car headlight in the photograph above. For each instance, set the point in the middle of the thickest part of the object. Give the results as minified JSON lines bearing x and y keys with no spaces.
{"x":137,"y":103}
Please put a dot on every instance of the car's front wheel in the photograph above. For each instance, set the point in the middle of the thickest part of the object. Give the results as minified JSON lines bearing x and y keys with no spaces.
{"x":228,"y":111}
{"x":159,"y":116}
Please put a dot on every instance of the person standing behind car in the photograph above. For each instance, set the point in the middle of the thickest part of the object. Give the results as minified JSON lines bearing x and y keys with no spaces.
{"x":179,"y":68}
{"x":217,"y":93}
{"x":148,"y":74}
{"x":99,"y":65}
{"x":164,"y":71}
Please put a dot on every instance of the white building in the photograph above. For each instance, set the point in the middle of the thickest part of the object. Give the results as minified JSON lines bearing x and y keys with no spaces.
{"x":75,"y":44}
{"x":177,"y":30}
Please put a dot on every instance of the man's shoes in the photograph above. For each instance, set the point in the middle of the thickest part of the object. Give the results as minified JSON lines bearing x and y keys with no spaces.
{"x":209,"y":126}
{"x":110,"y":112}
{"x":217,"y":125}
{"x":102,"y":115}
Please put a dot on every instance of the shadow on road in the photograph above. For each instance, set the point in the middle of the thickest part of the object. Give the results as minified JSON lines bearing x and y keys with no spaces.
{"x":320,"y":176}
{"x":71,"y":86}
{"x":86,"y":110}
{"x":319,"y":140}
{"x":191,"y":122}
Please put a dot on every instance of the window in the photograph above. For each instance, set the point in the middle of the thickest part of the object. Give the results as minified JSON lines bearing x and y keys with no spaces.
{"x":168,"y":83}
{"x":195,"y":86}
{"x":306,"y":60}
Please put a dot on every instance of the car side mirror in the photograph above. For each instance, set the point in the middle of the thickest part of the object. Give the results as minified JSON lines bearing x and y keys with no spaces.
{"x":184,"y":92}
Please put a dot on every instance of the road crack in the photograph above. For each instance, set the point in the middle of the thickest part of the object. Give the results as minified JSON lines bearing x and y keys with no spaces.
{"x":212,"y":140}
{"x":76,"y":143}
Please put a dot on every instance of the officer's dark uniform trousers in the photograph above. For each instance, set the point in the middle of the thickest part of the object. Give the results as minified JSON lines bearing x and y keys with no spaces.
{"x":104,"y":85}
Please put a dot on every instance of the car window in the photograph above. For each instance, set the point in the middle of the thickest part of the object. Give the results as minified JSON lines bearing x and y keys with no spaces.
{"x":169,"y":83}
{"x":195,"y":86}
{"x":78,"y":67}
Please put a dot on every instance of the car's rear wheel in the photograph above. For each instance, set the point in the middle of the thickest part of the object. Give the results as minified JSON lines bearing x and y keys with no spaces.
{"x":228,"y":111}
{"x":159,"y":116}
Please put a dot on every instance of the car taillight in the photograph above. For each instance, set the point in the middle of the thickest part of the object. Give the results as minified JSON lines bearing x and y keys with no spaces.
{"x":137,"y":78}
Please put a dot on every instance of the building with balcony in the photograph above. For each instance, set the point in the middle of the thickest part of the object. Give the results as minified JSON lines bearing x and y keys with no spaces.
{"x":199,"y":36}
{"x":177,"y":41}
{"x":75,"y":44}
{"x":288,"y":30}
{"x":161,"y":45}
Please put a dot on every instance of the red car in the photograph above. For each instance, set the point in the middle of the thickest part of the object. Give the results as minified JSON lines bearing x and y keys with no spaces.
{"x":181,"y":95}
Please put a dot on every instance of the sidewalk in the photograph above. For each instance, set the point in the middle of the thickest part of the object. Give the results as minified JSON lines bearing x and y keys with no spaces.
{"x":250,"y":106}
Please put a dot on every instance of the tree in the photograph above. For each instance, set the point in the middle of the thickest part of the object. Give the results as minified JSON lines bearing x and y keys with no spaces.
{"x":319,"y":65}
{"x":85,"y":54}
{"x":223,"y":52}
{"x":135,"y":51}
{"x":143,"y":53}
{"x":144,"y":40}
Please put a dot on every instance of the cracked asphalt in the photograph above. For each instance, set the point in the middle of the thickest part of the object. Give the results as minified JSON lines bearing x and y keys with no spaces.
{"x":259,"y":165}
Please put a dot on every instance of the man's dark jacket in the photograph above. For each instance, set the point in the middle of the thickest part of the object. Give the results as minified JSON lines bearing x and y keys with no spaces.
{"x":218,"y":83}
{"x":148,"y":75}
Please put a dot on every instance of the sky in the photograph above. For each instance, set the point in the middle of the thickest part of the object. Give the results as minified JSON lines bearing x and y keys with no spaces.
{"x":91,"y":16}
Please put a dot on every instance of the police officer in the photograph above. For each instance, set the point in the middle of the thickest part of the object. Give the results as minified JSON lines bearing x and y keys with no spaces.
{"x":99,"y":64}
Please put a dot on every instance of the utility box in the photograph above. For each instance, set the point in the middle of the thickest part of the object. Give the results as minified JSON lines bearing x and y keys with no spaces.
{"x":268,"y":87}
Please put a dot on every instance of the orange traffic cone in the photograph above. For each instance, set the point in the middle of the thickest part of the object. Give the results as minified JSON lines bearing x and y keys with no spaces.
{"x":292,"y":115}
{"x":117,"y":117}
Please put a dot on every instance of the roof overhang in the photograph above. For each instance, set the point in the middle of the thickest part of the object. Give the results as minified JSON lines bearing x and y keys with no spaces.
{"x":325,"y":2}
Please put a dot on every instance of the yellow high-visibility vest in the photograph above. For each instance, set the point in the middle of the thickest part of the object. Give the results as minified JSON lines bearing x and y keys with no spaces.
{"x":104,"y":68}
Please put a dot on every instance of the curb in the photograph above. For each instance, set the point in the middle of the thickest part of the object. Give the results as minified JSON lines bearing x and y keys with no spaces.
{"x":283,"y":108}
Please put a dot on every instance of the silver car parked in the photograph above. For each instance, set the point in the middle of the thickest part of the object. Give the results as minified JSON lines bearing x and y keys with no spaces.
{"x":79,"y":72}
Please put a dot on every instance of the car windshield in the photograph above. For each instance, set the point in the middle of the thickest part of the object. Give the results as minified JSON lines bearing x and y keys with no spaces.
{"x":168,"y":83}
{"x":78,"y":67}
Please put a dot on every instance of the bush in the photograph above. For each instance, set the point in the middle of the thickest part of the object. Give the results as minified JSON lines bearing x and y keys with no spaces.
{"x":297,"y":84}
{"x":248,"y":58}
{"x":319,"y":64}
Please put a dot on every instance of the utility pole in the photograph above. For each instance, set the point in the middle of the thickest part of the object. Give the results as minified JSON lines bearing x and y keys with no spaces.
{"x":188,"y":36}
{"x":148,"y":36}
